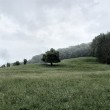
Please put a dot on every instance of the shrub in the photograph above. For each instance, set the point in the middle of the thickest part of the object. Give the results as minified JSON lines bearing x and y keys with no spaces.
{"x":16,"y":63}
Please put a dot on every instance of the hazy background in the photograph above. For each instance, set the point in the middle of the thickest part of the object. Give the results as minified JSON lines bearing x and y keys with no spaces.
{"x":30,"y":27}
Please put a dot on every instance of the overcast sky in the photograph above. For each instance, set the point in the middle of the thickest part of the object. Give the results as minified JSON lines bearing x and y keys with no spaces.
{"x":30,"y":27}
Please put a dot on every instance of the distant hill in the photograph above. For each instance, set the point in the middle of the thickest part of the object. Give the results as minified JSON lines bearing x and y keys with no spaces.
{"x":36,"y":59}
{"x":82,"y":50}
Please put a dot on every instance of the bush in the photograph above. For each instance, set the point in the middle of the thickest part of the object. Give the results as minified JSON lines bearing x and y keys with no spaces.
{"x":16,"y":63}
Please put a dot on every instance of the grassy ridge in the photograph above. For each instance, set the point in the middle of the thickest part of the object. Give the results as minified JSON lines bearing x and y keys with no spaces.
{"x":74,"y":84}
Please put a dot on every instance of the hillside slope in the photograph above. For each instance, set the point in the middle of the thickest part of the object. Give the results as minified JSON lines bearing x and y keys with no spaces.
{"x":73,"y":84}
{"x":82,"y":50}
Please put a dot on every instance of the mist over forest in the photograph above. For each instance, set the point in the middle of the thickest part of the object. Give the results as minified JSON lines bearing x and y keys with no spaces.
{"x":82,"y":50}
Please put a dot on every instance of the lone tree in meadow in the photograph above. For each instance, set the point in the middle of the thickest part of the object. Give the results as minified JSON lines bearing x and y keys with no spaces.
{"x":25,"y":61}
{"x":51,"y":56}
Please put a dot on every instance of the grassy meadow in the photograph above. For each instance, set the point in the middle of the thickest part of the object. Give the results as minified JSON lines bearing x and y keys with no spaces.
{"x":73,"y":84}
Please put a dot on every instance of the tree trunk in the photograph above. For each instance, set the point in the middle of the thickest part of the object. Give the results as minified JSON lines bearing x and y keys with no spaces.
{"x":51,"y":64}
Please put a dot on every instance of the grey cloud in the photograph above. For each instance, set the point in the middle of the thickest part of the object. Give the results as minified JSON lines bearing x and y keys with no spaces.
{"x":29,"y":27}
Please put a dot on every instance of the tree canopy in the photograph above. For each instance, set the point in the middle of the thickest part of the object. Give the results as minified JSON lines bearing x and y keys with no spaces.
{"x":51,"y":56}
{"x":25,"y":61}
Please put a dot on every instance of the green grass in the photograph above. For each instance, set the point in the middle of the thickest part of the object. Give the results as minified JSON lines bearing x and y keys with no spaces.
{"x":74,"y":84}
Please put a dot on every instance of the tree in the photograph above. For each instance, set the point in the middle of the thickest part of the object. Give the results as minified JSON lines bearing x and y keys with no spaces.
{"x":8,"y":64}
{"x":25,"y":61}
{"x":16,"y":63}
{"x":51,"y":56}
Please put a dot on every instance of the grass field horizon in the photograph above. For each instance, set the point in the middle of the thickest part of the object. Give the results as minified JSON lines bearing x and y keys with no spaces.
{"x":74,"y":84}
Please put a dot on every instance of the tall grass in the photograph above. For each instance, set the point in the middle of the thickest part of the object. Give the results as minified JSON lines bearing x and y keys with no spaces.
{"x":74,"y":84}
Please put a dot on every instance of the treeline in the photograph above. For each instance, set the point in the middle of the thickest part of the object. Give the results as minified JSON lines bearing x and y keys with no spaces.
{"x":101,"y":48}
{"x":17,"y":63}
{"x":83,"y":50}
